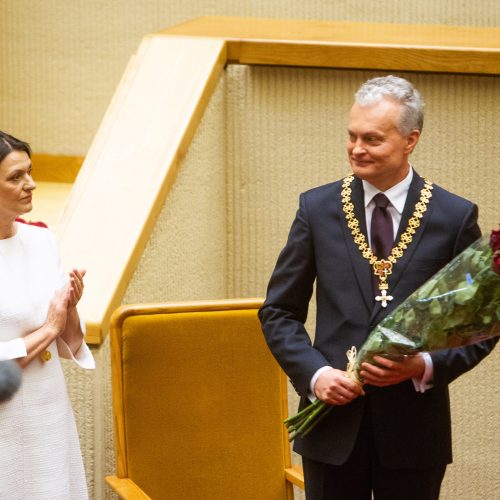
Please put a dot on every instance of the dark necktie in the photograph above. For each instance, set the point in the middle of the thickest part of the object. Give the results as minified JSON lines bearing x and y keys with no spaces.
{"x":381,"y":233}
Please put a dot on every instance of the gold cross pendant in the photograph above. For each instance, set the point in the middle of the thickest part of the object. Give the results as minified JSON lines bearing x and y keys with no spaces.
{"x":383,"y":298}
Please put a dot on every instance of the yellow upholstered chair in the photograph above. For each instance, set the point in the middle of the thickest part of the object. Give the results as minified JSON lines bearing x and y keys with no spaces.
{"x":198,"y":404}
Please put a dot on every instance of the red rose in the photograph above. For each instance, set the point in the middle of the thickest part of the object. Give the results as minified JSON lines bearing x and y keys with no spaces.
{"x":495,"y":240}
{"x":496,"y":262}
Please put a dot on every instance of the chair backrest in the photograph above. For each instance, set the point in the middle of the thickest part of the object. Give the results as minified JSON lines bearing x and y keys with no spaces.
{"x":198,"y":402}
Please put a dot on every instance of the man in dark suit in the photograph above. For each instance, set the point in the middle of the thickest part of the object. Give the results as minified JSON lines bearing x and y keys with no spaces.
{"x":391,"y":437}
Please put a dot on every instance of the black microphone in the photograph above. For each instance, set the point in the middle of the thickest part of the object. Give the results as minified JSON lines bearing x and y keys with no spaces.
{"x":10,"y":379}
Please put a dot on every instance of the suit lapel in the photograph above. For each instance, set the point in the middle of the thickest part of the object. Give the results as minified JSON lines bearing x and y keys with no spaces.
{"x":361,"y":267}
{"x":398,"y":269}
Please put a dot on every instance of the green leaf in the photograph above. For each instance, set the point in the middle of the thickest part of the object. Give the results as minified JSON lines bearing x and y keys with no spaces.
{"x":435,"y":308}
{"x":465,"y":292}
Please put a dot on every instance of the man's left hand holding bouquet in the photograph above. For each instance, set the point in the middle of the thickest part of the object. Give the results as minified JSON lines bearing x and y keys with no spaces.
{"x":392,"y":371}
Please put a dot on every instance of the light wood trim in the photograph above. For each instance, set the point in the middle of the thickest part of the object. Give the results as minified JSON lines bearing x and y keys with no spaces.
{"x":118,"y":402}
{"x":126,"y":488}
{"x":248,"y":28}
{"x":383,"y":57}
{"x":287,"y":459}
{"x":55,"y":168}
{"x":295,"y":475}
{"x":125,"y":311}
{"x":339,"y":44}
{"x":140,"y":156}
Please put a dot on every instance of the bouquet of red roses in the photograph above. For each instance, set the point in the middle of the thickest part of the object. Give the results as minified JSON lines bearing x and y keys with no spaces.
{"x":458,"y":306}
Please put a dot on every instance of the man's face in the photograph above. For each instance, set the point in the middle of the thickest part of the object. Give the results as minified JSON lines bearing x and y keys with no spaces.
{"x":378,"y":152}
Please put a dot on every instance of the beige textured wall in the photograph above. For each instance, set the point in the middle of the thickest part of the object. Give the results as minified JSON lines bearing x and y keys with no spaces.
{"x":61,"y":60}
{"x":224,"y":223}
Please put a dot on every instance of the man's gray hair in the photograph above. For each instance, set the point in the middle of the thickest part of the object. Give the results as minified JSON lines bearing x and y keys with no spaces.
{"x":399,"y":90}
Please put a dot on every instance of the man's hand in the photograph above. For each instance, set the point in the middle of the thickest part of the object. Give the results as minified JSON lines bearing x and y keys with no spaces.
{"x":335,"y":388}
{"x":390,"y":372}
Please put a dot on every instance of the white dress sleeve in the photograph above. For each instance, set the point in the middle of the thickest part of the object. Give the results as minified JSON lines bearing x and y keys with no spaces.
{"x":12,"y":349}
{"x":83,"y":357}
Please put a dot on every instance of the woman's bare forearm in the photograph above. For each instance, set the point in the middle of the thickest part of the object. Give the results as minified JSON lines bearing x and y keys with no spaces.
{"x":37,"y":342}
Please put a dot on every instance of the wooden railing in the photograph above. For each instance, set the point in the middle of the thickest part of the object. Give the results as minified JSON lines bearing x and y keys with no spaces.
{"x":401,"y":47}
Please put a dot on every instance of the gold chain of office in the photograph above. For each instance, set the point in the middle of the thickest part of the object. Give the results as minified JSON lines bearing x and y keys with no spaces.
{"x":382,"y":268}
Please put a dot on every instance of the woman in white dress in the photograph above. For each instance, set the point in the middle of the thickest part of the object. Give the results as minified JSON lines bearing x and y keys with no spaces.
{"x":40,"y":454}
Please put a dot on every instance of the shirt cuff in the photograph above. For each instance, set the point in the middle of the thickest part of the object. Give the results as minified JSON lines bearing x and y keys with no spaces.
{"x":312,"y":397}
{"x":12,"y":349}
{"x":83,"y":357}
{"x":425,"y":382}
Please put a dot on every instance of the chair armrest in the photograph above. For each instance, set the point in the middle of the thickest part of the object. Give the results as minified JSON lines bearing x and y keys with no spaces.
{"x":126,"y":488}
{"x":295,"y":475}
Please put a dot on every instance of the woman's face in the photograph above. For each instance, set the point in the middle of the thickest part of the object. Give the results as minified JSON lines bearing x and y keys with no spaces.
{"x":16,"y":185}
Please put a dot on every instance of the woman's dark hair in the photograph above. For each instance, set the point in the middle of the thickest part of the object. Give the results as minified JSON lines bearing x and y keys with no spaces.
{"x":9,"y":144}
